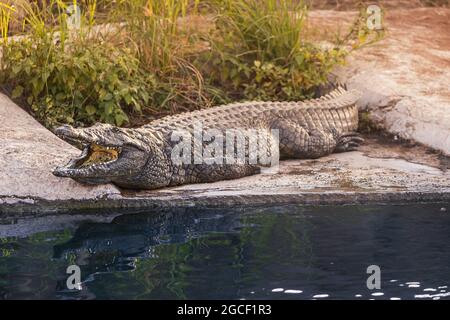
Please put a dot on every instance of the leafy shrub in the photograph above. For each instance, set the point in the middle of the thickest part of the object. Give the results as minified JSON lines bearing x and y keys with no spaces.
{"x":261,"y":51}
{"x":71,"y":77}
{"x":80,"y":85}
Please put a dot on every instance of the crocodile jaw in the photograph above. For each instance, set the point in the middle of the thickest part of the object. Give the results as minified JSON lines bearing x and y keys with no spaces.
{"x":93,"y":158}
{"x":99,"y":162}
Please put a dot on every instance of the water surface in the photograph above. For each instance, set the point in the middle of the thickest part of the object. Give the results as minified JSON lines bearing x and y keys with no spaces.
{"x":281,"y":252}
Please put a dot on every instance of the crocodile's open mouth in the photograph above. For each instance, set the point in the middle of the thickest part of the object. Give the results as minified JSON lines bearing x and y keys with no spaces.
{"x":93,"y":157}
{"x":95,"y":154}
{"x":109,"y":154}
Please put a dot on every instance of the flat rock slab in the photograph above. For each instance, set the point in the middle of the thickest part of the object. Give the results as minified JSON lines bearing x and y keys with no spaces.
{"x":382,"y":171}
{"x":29,"y":152}
{"x":405,"y":77}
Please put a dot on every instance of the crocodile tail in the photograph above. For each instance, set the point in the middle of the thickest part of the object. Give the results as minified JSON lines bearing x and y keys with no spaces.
{"x":338,"y":98}
{"x":339,"y":108}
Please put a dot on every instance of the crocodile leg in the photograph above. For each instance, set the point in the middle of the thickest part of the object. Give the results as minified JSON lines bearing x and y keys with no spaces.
{"x":298,"y":142}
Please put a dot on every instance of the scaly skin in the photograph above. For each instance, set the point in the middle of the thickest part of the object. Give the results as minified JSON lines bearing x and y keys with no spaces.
{"x":308,"y":129}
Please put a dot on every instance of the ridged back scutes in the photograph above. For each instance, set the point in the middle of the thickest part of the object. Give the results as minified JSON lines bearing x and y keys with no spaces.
{"x":338,"y":98}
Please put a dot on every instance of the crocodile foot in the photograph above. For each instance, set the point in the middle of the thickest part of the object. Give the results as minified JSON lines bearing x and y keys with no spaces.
{"x":349,"y":141}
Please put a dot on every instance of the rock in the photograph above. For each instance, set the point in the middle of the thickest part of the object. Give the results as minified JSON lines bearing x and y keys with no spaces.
{"x":29,"y":152}
{"x":404,"y":77}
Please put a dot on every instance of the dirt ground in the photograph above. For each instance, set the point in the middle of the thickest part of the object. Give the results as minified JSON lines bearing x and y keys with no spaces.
{"x":422,"y":34}
{"x":404,"y":76}
{"x":346,"y":5}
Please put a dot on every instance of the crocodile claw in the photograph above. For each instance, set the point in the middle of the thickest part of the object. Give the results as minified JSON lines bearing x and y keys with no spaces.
{"x":349,"y":142}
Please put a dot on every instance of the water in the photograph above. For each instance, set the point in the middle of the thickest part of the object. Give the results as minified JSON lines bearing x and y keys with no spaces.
{"x":284,"y":252}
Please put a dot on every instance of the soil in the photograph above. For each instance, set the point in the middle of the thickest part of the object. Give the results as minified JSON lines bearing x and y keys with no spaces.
{"x":346,"y":5}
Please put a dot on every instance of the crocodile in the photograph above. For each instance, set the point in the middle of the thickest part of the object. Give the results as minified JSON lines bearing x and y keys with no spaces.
{"x":143,"y":158}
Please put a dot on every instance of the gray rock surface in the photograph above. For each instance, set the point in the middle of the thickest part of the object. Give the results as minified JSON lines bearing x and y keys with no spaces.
{"x":28,"y":154}
{"x":405,"y":78}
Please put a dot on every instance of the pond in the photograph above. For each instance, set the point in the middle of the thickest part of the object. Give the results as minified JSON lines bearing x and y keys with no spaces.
{"x":279,"y":252}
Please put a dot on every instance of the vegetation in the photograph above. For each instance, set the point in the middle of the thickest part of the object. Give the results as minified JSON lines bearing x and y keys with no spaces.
{"x":68,"y":76}
{"x":167,"y":50}
{"x":141,"y":59}
{"x":77,"y":85}
{"x":261,"y":51}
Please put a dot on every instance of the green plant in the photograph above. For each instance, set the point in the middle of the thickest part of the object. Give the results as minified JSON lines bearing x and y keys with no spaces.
{"x":366,"y":125}
{"x":81,"y":86}
{"x":155,"y":61}
{"x":166,"y":49}
{"x":262,"y":50}
{"x":70,"y":76}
